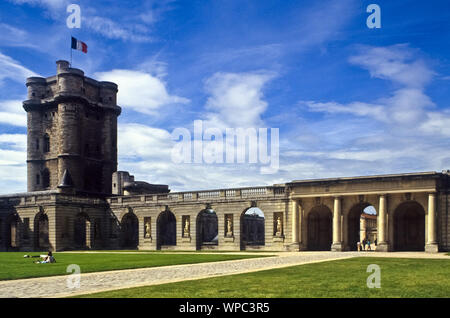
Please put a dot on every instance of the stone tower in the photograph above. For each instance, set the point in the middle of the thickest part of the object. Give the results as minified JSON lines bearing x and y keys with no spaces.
{"x":72,"y":125}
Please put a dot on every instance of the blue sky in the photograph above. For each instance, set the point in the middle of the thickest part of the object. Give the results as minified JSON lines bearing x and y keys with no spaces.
{"x":348,"y":100}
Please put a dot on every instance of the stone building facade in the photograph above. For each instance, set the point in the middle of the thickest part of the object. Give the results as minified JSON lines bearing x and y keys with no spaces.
{"x":77,"y":207}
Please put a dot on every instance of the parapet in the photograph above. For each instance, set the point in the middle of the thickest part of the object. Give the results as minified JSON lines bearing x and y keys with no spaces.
{"x":70,"y":83}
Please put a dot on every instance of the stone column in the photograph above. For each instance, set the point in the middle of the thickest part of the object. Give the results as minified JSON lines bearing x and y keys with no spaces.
{"x":431,"y":245}
{"x":88,"y":234}
{"x":294,"y":209}
{"x":382,"y":245}
{"x":337,"y":241}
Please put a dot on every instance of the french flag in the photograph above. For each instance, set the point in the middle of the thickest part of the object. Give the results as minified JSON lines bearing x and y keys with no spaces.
{"x":78,"y":45}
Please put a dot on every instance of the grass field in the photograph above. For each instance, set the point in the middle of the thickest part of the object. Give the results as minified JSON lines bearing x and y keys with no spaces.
{"x":14,"y":266}
{"x":341,"y":278}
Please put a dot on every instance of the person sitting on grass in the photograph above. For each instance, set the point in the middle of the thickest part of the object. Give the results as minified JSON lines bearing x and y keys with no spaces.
{"x":47,"y":259}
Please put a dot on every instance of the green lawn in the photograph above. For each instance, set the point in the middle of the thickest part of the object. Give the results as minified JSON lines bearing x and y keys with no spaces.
{"x":13,"y":265}
{"x":342,"y":278}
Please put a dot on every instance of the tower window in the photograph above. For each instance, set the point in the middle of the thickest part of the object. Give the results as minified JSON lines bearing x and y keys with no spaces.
{"x":46,"y":143}
{"x":37,"y":143}
{"x":45,"y":178}
{"x":38,"y":179}
{"x":86,"y":149}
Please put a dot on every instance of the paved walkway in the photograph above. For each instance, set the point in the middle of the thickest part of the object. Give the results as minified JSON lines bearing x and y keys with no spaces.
{"x":103,"y":281}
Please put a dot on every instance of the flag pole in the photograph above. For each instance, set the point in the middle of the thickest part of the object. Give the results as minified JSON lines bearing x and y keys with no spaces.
{"x":71,"y":52}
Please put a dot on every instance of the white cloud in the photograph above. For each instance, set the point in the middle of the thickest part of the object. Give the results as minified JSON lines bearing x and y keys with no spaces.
{"x":113,"y":30}
{"x":12,"y":113}
{"x":12,"y":36}
{"x":12,"y":69}
{"x":13,"y":168}
{"x":397,"y":63}
{"x":56,"y":4}
{"x":437,"y":123}
{"x":141,"y":91}
{"x":236,"y":99}
{"x":356,"y":108}
{"x":401,"y":132}
{"x":406,"y":105}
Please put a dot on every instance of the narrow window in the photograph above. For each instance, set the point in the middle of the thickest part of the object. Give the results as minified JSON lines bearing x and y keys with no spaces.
{"x":46,"y":143}
{"x":45,"y":178}
{"x":38,"y":179}
{"x":37,"y":143}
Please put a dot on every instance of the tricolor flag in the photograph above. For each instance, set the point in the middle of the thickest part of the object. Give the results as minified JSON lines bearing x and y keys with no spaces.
{"x":78,"y":45}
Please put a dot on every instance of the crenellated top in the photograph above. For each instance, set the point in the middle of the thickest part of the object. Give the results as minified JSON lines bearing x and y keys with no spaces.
{"x":70,"y":83}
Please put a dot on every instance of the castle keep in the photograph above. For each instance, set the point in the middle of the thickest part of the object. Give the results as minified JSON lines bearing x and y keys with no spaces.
{"x":72,"y":125}
{"x":77,"y":199}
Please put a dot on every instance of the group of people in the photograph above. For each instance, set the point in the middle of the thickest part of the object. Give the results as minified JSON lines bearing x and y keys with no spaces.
{"x":361,"y":246}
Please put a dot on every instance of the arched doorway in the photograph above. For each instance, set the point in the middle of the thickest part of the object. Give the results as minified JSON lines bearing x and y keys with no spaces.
{"x":82,"y":231}
{"x":12,"y":239}
{"x":129,"y":231}
{"x":207,"y":228}
{"x":252,"y":227}
{"x":361,"y":224}
{"x":409,"y":227}
{"x":320,"y":229}
{"x":42,"y":241}
{"x":166,"y":227}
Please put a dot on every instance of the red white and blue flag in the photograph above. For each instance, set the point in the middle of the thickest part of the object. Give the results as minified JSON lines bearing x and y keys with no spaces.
{"x":78,"y":45}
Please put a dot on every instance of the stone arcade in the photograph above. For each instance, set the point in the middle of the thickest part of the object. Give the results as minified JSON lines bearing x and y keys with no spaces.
{"x":77,"y":199}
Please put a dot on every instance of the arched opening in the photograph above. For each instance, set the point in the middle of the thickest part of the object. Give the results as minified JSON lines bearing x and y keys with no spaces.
{"x":409,"y":227}
{"x":12,"y":239}
{"x":252,"y":227}
{"x":129,"y":231}
{"x":361,"y":226}
{"x":166,"y":227}
{"x":320,"y":229}
{"x":207,"y":228}
{"x":42,"y":241}
{"x":82,"y":231}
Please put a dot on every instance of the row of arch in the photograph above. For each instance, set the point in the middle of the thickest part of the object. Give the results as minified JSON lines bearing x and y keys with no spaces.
{"x":409,"y":228}
{"x":12,"y":231}
{"x":207,"y":225}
